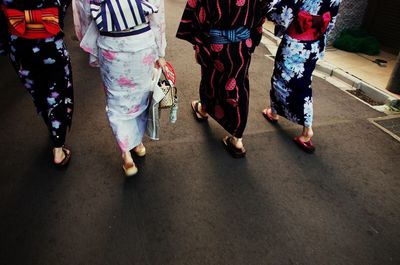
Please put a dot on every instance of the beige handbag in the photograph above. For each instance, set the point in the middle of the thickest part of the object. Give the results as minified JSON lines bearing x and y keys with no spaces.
{"x":170,"y":92}
{"x":167,"y":85}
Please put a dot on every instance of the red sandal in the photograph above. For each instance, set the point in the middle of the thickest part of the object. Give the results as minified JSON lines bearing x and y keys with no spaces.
{"x":306,"y":146}
{"x":268,"y":116}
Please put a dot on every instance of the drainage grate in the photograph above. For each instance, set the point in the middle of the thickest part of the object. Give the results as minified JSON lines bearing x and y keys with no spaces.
{"x":389,"y":124}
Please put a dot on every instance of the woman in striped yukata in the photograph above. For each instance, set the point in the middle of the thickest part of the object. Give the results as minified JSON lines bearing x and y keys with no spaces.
{"x":31,"y":34}
{"x":125,"y":38}
{"x":224,"y":35}
{"x":304,"y":25}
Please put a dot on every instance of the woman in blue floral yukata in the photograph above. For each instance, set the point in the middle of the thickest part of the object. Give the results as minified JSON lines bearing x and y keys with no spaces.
{"x":304,"y":25}
{"x":31,"y":34}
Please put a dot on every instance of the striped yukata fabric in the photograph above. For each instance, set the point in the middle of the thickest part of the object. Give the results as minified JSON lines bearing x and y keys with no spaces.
{"x":120,"y":15}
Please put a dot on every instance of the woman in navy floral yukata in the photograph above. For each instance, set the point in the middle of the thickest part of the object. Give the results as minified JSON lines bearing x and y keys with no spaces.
{"x":31,"y":34}
{"x":304,"y":25}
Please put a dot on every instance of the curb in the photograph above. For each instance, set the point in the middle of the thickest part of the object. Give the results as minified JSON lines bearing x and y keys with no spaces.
{"x":353,"y":81}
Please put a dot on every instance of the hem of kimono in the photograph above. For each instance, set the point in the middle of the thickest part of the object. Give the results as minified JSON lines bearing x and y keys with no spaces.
{"x":130,"y":147}
{"x":231,"y":131}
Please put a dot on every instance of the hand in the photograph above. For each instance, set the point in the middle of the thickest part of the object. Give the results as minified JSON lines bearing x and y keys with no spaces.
{"x":161,"y":62}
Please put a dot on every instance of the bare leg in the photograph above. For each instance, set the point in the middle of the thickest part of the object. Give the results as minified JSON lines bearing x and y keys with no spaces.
{"x":270,"y":115}
{"x":140,"y":150}
{"x":306,"y":134}
{"x":59,"y":155}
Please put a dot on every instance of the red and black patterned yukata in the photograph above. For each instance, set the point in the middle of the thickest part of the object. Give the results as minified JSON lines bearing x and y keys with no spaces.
{"x":224,"y":87}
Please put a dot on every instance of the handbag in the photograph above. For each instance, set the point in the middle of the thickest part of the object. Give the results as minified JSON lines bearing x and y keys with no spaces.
{"x":170,"y":94}
{"x":167,"y":85}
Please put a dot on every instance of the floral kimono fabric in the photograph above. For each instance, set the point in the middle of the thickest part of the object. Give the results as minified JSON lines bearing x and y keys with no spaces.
{"x":127,"y":78}
{"x":291,"y":93}
{"x":44,"y":67}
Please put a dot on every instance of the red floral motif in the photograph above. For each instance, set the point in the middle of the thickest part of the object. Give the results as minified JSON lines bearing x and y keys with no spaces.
{"x":232,"y":102}
{"x":202,"y":15}
{"x":192,"y":3}
{"x":249,"y":43}
{"x":219,"y":65}
{"x":217,"y":47}
{"x":219,"y":112}
{"x":231,"y":84}
{"x":240,"y":2}
{"x":260,"y":29}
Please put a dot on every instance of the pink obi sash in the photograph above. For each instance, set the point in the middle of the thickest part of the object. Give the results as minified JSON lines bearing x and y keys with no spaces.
{"x":307,"y":27}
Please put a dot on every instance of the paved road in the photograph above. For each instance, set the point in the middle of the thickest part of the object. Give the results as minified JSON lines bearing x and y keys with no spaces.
{"x":192,"y":203}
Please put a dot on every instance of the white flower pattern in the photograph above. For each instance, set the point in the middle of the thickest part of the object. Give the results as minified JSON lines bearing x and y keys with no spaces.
{"x":291,"y":94}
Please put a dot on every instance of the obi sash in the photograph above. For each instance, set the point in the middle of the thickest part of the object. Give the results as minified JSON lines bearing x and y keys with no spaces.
{"x":120,"y":15}
{"x":307,"y":27}
{"x":226,"y":36}
{"x":33,"y":24}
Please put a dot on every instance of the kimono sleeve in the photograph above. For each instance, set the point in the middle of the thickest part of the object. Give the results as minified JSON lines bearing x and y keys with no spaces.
{"x":334,"y":10}
{"x":3,"y":35}
{"x":282,"y":14}
{"x":82,"y":18}
{"x":157,"y":25}
{"x":192,"y":27}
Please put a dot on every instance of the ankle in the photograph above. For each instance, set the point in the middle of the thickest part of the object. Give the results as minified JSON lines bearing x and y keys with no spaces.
{"x":202,"y":110}
{"x":237,"y":142}
{"x":307,"y":133}
{"x":58,"y":154}
{"x":126,"y":156}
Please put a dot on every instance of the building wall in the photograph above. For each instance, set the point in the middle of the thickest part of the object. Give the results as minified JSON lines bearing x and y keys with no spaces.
{"x":351,"y":15}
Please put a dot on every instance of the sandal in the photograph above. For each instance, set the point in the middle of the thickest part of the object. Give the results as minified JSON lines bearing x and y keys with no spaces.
{"x":140,"y":150}
{"x":131,"y":170}
{"x":306,"y":146}
{"x":268,"y":116}
{"x":67,"y":158}
{"x":196,"y":112}
{"x":232,"y":149}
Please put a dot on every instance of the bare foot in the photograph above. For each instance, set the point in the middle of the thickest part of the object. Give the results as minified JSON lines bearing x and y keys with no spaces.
{"x":270,"y":115}
{"x":129,"y":166}
{"x":307,"y":134}
{"x":198,"y":110}
{"x":237,"y":142}
{"x":59,"y":155}
{"x":140,"y":150}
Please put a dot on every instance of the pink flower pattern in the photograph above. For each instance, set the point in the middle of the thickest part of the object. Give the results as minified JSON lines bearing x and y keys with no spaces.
{"x":109,"y":55}
{"x":192,"y":3}
{"x":219,"y":65}
{"x":202,"y":15}
{"x":217,"y":47}
{"x":231,"y":84}
{"x":123,"y":144}
{"x":149,"y":59}
{"x":240,"y":2}
{"x":249,"y":43}
{"x":134,"y":109}
{"x":124,"y":81}
{"x":232,"y":102}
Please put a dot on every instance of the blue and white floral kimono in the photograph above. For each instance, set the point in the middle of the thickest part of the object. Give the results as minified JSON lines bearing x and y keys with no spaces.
{"x":295,"y":61}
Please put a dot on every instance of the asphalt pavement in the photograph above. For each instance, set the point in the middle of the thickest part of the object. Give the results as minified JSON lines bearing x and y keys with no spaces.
{"x":192,"y":203}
